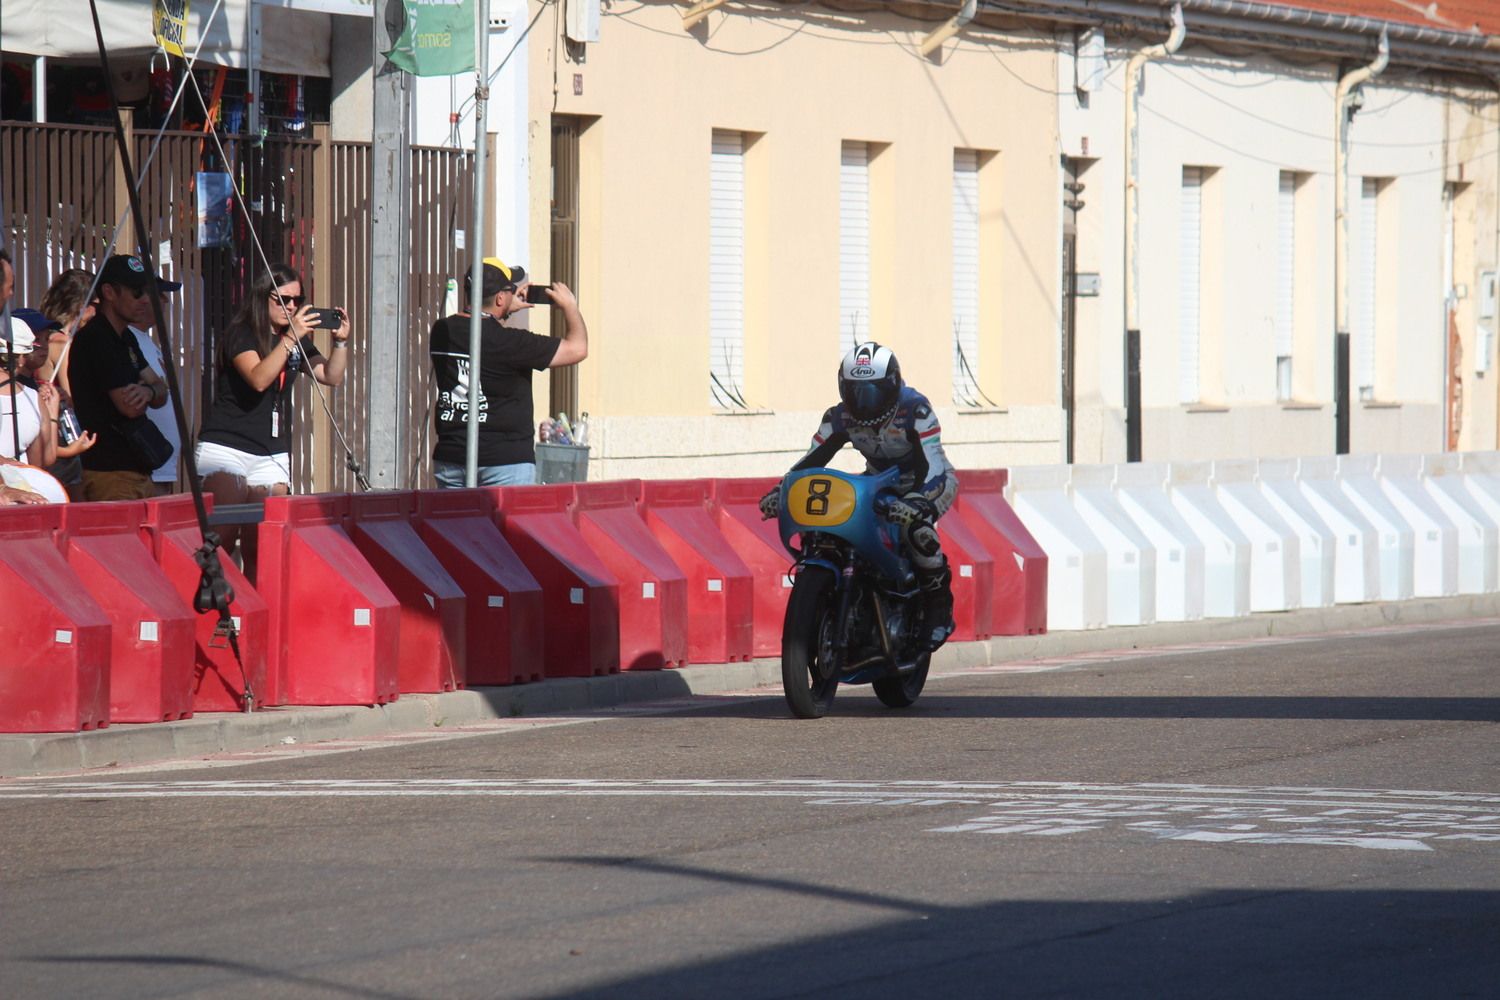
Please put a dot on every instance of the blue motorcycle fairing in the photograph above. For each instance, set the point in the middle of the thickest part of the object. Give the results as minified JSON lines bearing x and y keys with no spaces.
{"x":875,"y":539}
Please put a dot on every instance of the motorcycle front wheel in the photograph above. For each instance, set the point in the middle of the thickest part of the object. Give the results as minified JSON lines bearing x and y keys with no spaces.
{"x":808,"y":673}
{"x":902,"y":690}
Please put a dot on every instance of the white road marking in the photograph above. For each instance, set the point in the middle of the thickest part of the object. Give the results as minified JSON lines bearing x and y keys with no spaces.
{"x":1375,"y":819}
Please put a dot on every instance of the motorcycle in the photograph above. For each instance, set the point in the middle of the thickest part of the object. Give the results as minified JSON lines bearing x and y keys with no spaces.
{"x":855,"y":610}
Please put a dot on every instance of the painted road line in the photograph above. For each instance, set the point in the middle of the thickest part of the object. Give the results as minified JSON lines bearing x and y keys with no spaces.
{"x":1372,"y":819}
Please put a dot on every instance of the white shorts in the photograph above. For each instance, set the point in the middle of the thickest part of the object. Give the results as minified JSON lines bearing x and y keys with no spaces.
{"x":255,"y":470}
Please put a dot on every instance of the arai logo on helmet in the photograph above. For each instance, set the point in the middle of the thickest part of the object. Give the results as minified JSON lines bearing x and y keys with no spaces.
{"x":862,"y":371}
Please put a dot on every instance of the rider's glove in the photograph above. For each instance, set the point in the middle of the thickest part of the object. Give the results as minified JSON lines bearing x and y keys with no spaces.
{"x":770,"y":504}
{"x":925,"y":508}
{"x":913,"y":508}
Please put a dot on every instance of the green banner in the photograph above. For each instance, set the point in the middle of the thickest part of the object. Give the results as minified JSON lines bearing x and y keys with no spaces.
{"x":438,"y":39}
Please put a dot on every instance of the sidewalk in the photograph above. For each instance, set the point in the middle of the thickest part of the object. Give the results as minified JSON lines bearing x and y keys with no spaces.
{"x":216,"y":732}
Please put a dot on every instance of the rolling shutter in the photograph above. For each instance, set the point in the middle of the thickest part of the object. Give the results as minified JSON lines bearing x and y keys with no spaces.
{"x":965,"y":276}
{"x":1364,"y":315}
{"x":726,"y":270}
{"x":1190,"y":265}
{"x":854,"y":244}
{"x":1286,"y":281}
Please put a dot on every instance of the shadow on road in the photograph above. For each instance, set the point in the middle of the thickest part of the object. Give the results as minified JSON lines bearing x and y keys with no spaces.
{"x":237,"y":975}
{"x":1223,"y":943}
{"x":1333,"y":707}
{"x":858,"y":702}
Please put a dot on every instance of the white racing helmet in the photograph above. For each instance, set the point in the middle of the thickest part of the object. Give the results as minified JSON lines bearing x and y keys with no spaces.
{"x":869,"y":383}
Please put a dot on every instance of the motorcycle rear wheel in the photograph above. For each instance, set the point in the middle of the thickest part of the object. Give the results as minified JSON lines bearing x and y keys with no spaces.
{"x":903,"y":690}
{"x":808,"y":675}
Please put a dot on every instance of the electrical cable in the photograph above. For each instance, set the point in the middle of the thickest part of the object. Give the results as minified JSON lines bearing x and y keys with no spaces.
{"x":214,"y":591}
{"x":350,"y":461}
{"x":973,"y":378}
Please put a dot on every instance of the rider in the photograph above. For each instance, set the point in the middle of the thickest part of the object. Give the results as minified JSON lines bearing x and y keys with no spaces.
{"x":892,"y":425}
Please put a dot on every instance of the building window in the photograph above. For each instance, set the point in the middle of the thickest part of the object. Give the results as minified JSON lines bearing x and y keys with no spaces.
{"x":1286,"y":282}
{"x":726,"y":270}
{"x":1189,"y":284}
{"x":966,"y":390}
{"x":1365,"y":288}
{"x":854,"y":243}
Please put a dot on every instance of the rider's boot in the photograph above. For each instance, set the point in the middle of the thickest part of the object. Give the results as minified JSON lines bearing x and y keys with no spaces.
{"x":937,"y":605}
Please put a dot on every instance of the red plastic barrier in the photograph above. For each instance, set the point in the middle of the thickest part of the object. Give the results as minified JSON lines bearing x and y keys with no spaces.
{"x":151,"y":648}
{"x":431,"y":656}
{"x":721,"y":609}
{"x":736,"y":509}
{"x":580,"y":597}
{"x":1020,"y":591}
{"x":54,"y":639}
{"x":335,"y":627}
{"x":653,"y":588}
{"x":504,"y":628}
{"x":973,"y":572}
{"x":171,"y":532}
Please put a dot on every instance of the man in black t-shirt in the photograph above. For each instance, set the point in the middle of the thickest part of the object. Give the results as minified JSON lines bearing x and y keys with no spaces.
{"x":112,"y":383}
{"x":508,"y":357}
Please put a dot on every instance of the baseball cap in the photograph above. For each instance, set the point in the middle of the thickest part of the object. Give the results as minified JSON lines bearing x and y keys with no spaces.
{"x":38,"y":323}
{"x":127,"y":270}
{"x":498,"y":277}
{"x":20,"y":339}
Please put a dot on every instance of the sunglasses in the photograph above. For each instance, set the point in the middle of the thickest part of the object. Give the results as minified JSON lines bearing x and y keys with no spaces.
{"x":292,"y":301}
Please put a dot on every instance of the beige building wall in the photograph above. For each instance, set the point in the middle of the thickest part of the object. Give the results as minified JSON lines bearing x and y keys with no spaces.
{"x":798,"y":84}
{"x":1243,"y":120}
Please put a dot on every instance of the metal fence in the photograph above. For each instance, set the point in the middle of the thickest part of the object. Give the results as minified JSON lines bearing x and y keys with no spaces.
{"x":309,"y":202}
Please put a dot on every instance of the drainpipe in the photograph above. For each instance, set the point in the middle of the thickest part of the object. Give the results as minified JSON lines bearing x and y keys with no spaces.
{"x":1341,"y":358}
{"x":1133,"y":231}
{"x":934,"y":41}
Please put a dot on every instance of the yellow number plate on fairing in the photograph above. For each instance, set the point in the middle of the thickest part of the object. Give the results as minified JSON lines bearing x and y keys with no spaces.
{"x":820,"y":501}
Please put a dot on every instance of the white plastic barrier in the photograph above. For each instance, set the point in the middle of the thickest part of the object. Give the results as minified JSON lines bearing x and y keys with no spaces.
{"x":1356,"y":477}
{"x":1275,"y":553}
{"x":1434,"y":536}
{"x":1481,"y":471}
{"x":1478,"y":530}
{"x":1356,"y":561}
{"x":1226,"y":550}
{"x":1131,"y":590}
{"x":1277,"y":479}
{"x":1141,"y":489}
{"x":1076,"y":561}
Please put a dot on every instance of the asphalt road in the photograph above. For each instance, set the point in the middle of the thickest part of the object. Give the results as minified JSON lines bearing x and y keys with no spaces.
{"x":1281,"y":818}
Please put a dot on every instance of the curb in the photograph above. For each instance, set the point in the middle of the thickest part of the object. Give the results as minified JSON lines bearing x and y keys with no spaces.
{"x":224,"y":732}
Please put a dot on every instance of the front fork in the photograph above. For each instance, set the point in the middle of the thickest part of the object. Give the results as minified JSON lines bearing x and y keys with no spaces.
{"x":841,"y":622}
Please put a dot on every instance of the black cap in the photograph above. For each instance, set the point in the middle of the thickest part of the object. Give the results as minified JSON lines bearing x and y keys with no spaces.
{"x":127,"y":270}
{"x":497,"y":278}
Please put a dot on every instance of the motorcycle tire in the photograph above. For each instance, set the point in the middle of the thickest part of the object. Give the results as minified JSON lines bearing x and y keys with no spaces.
{"x":903,"y":690}
{"x":807,"y":673}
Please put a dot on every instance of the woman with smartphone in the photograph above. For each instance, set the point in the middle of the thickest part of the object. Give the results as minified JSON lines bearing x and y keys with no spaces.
{"x":244,"y":448}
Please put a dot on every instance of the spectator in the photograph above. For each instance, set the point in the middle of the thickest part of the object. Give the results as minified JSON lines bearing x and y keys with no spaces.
{"x":68,"y":306}
{"x":28,"y":416}
{"x":244,"y":449}
{"x":112,"y":385}
{"x":164,"y":477}
{"x":66,"y":303}
{"x":508,"y":355}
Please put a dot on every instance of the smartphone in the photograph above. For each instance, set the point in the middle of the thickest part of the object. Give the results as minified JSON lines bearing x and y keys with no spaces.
{"x":327,"y":319}
{"x":537,"y":295}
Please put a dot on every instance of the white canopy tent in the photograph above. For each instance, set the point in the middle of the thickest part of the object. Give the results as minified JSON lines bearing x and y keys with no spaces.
{"x":294,"y":35}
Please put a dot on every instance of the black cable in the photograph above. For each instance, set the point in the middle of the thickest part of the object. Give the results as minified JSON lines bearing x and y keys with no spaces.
{"x":214,"y":591}
{"x":973,"y":379}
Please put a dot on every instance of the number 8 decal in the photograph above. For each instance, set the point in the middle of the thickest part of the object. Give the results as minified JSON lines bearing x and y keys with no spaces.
{"x":817,"y":497}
